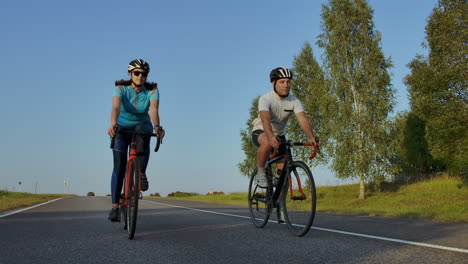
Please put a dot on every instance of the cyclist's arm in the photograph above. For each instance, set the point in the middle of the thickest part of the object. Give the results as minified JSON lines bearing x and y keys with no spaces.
{"x":267,"y":129}
{"x":306,"y":126}
{"x":154,"y":115}
{"x":115,"y":112}
{"x":154,"y":112}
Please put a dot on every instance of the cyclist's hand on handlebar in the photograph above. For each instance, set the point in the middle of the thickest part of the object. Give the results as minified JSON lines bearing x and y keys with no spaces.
{"x":316,"y":143}
{"x":160,"y":132}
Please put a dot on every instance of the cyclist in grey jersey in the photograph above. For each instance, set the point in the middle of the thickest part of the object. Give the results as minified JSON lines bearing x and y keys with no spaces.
{"x":275,"y":108}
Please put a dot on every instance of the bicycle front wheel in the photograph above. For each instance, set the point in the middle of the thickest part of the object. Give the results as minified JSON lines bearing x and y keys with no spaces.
{"x":259,"y":206}
{"x":134,"y":195}
{"x":123,"y":216}
{"x":299,"y":201}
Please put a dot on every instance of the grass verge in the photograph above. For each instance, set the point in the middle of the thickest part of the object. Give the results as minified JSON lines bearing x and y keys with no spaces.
{"x":14,"y":200}
{"x":439,"y":199}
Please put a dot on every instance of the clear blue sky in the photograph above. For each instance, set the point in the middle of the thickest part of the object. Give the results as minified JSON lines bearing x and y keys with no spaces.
{"x":59,"y":60}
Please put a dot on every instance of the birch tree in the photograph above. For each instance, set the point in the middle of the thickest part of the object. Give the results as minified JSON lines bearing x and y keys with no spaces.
{"x":361,"y":89}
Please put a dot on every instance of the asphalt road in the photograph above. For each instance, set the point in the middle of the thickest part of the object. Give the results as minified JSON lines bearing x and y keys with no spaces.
{"x":76,"y":230}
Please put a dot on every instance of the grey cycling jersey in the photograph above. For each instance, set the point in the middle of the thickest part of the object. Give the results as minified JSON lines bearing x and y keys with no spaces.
{"x":280,"y":111}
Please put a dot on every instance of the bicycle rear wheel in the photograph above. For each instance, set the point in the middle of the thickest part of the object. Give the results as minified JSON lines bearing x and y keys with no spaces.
{"x":299,"y":206}
{"x":259,"y":205}
{"x":134,"y":195}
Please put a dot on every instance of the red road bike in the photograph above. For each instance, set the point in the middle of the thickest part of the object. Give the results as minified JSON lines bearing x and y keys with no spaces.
{"x":132,"y":183}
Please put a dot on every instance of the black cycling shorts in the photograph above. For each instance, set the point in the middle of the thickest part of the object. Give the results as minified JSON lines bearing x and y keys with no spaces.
{"x":256,"y":133}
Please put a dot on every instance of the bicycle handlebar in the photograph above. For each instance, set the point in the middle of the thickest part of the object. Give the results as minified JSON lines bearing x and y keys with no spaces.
{"x":290,"y":143}
{"x":314,"y":152}
{"x":158,"y":140}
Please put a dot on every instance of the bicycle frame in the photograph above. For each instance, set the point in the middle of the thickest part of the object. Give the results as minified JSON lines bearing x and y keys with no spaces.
{"x":131,"y":156}
{"x":286,"y":171}
{"x":297,"y":210}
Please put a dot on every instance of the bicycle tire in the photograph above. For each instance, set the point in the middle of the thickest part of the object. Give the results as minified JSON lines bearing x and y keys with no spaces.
{"x":259,"y":205}
{"x":134,"y":195}
{"x":127,"y":187}
{"x":299,"y":211}
{"x":123,"y":216}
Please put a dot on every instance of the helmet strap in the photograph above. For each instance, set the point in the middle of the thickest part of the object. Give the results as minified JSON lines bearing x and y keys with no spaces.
{"x":137,"y":86}
{"x":274,"y":88}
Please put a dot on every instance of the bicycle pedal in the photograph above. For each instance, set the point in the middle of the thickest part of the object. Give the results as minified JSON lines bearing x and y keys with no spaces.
{"x":300,"y":198}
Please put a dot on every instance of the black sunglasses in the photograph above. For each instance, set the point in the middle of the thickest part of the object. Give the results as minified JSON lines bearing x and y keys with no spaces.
{"x":137,"y":73}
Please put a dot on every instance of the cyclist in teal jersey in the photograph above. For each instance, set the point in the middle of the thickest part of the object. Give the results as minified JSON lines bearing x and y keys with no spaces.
{"x":135,"y":107}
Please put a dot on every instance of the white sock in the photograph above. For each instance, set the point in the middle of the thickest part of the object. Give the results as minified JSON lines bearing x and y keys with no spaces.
{"x":261,"y":169}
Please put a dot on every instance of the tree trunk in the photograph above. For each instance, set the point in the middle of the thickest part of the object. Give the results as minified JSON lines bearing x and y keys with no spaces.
{"x":357,"y":106}
{"x":361,"y":187}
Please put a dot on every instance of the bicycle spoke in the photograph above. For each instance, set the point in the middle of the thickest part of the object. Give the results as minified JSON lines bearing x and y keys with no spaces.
{"x":258,"y":203}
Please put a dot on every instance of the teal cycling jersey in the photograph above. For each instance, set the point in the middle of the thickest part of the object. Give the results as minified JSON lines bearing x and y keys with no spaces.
{"x":134,"y":105}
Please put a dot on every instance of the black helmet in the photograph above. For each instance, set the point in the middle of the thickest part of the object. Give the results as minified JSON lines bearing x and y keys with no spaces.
{"x":138,"y":64}
{"x":280,"y":73}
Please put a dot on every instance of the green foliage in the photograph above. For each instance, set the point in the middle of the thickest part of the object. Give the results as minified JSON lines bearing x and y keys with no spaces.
{"x":182,"y":194}
{"x":438,"y":85}
{"x":155,"y":194}
{"x":90,"y":194}
{"x":360,"y":93}
{"x":309,"y":87}
{"x":248,"y":165}
{"x":412,"y":158}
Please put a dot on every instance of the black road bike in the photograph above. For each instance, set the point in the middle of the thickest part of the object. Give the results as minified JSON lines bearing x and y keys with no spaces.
{"x":292,"y":194}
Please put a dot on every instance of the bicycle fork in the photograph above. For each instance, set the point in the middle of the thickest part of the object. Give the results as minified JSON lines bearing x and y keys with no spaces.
{"x":299,"y":187}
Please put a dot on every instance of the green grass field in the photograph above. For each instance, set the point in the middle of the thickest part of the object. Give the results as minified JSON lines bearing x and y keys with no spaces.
{"x":440,"y":199}
{"x":13,"y":200}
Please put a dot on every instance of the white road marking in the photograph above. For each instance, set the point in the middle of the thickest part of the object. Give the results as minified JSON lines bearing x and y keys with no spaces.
{"x":329,"y":230}
{"x":28,"y":208}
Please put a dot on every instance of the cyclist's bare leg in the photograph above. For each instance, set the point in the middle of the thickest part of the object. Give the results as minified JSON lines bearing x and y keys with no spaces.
{"x":263,"y":150}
